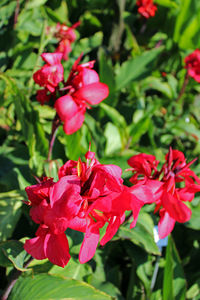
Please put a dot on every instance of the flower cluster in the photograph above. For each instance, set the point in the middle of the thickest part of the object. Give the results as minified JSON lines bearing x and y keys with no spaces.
{"x":81,"y":89}
{"x":173,"y":185}
{"x":87,"y":196}
{"x":192,"y":62}
{"x":146,"y":8}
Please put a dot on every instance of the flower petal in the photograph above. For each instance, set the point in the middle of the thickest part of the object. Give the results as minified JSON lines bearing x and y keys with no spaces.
{"x":57,"y":249}
{"x":165,"y":225}
{"x":92,"y":93}
{"x":35,"y":247}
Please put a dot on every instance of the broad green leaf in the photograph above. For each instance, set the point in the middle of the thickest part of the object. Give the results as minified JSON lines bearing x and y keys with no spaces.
{"x":6,"y":12}
{"x":47,"y":287}
{"x":35,"y":3}
{"x":194,"y":221}
{"x":174,"y":283}
{"x":10,"y":212}
{"x":33,"y":133}
{"x":73,"y":270}
{"x":167,"y":3}
{"x":186,"y":32}
{"x":141,"y":234}
{"x":113,"y":139}
{"x":86,"y":45}
{"x":106,"y":75}
{"x":13,"y":251}
{"x":114,"y":115}
{"x":137,"y":68}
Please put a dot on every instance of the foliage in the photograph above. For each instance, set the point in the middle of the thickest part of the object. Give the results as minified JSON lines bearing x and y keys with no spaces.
{"x":142,"y":62}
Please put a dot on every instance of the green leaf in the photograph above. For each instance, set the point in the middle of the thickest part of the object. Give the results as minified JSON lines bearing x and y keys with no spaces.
{"x":186,"y":32}
{"x":106,"y":74}
{"x":136,"y":68}
{"x":114,"y":115}
{"x":13,"y":251}
{"x":141,"y":234}
{"x":86,"y":45}
{"x":174,"y":283}
{"x":47,"y":287}
{"x":32,"y":130}
{"x":113,"y":139}
{"x":10,"y":212}
{"x":194,"y":221}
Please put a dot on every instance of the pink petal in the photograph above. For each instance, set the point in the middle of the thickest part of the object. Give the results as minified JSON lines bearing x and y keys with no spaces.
{"x":92,"y":93}
{"x":165,"y":225}
{"x":89,"y":244}
{"x":143,"y":193}
{"x":52,"y":58}
{"x":35,"y":247}
{"x":72,"y":125}
{"x":66,"y":107}
{"x":89,"y":76}
{"x":57,"y":249}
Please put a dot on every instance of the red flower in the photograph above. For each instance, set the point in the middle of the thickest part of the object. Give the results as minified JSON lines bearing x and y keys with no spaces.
{"x":50,"y":74}
{"x":168,"y":197}
{"x":42,"y":96}
{"x":192,"y":62}
{"x":84,"y":90}
{"x":146,"y":8}
{"x":66,"y":35}
{"x":53,"y":205}
{"x":105,"y":200}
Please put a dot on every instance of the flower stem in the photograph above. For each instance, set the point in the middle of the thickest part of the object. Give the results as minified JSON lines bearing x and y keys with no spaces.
{"x":185,"y":82}
{"x":14,"y":277}
{"x":55,"y":125}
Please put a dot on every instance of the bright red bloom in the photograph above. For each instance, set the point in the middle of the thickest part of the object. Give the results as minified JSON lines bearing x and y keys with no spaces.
{"x":146,"y":8}
{"x":84,"y":90}
{"x":168,"y":197}
{"x":50,"y":74}
{"x":53,"y":205}
{"x":192,"y":62}
{"x":105,"y":200}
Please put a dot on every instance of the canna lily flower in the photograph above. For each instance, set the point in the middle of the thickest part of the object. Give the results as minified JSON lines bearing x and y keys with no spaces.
{"x":51,"y":73}
{"x":192,"y":62}
{"x":84,"y":90}
{"x":146,"y":8}
{"x":168,"y":197}
{"x":53,"y":205}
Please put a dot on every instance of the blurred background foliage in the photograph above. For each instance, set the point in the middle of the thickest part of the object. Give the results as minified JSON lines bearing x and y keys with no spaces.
{"x":142,"y":62}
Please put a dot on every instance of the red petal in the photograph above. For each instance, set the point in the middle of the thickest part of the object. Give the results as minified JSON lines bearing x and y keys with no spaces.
{"x":112,"y":228}
{"x":66,"y":107}
{"x":175,"y":208}
{"x":35,"y":247}
{"x":52,"y":58}
{"x":57,"y":249}
{"x":92,"y":93}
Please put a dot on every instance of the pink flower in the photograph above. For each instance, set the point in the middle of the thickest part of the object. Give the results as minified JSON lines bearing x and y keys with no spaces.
{"x":50,"y":74}
{"x":192,"y":62}
{"x":84,"y":90}
{"x":146,"y":8}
